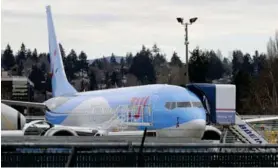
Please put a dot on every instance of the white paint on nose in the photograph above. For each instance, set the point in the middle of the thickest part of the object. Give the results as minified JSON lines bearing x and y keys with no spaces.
{"x":191,"y":129}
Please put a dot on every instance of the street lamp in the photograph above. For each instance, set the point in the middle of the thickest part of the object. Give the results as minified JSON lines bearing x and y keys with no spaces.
{"x":191,"y":21}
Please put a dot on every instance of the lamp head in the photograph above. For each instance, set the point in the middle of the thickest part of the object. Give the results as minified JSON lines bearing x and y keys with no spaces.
{"x":192,"y":20}
{"x":180,"y":20}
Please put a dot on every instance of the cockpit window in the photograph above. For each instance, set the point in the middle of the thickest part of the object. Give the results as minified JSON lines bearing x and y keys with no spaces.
{"x":183,"y":104}
{"x":197,"y":104}
{"x":173,"y":105}
{"x":170,"y":105}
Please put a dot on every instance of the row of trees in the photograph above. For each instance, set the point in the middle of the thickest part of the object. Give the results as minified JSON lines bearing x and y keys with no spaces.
{"x":257,"y":80}
{"x":255,"y":75}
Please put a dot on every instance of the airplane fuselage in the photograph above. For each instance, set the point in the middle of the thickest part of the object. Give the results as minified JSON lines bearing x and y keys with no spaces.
{"x":175,"y":111}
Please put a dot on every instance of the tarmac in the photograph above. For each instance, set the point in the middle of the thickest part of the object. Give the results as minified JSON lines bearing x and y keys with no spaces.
{"x":99,"y":139}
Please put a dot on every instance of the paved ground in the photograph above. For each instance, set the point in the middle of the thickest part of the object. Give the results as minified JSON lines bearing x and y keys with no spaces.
{"x":89,"y":139}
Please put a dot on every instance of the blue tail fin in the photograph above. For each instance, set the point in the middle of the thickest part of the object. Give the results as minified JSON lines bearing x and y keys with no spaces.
{"x":60,"y":84}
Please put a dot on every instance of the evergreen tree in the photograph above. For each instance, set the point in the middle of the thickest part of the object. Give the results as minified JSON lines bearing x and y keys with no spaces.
{"x":48,"y":57}
{"x":107,"y":80}
{"x":215,"y":66}
{"x":242,"y":80}
{"x":21,"y":54}
{"x":98,"y":63}
{"x":63,"y":54}
{"x":37,"y":76}
{"x":262,"y":62}
{"x":122,"y":70}
{"x":175,"y":60}
{"x":198,"y":66}
{"x":20,"y":68}
{"x":43,"y":67}
{"x":113,"y":60}
{"x":155,"y":52}
{"x":237,"y":61}
{"x":157,"y":58}
{"x":105,"y":63}
{"x":122,"y":62}
{"x":8,"y":59}
{"x":71,"y":65}
{"x":142,"y":67}
{"x":93,"y":82}
{"x":83,"y":63}
{"x":256,"y":63}
{"x":20,"y":58}
{"x":128,"y":59}
{"x":29,"y":53}
{"x":247,"y":64}
{"x":227,"y":66}
{"x":35,"y":55}
{"x":155,"y":49}
{"x":114,"y":78}
{"x":48,"y":83}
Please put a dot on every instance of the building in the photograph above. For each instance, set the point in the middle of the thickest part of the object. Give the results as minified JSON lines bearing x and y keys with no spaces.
{"x":16,"y":87}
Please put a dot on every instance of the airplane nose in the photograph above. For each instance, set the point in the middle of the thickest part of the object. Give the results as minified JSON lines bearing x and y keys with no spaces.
{"x":198,"y":128}
{"x":192,"y":129}
{"x":195,"y":123}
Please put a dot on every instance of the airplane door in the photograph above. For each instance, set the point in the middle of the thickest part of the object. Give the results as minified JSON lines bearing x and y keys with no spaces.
{"x":153,"y":106}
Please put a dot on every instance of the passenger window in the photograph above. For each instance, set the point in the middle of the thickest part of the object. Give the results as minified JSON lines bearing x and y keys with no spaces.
{"x":197,"y":104}
{"x":183,"y":104}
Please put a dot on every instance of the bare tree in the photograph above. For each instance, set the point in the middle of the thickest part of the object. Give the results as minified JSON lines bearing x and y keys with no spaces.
{"x":272,"y":46}
{"x":263,"y":93}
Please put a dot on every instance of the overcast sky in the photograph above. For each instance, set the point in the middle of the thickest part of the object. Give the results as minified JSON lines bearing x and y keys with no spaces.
{"x":100,"y":27}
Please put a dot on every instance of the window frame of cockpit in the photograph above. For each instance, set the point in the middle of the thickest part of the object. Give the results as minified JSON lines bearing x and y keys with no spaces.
{"x":199,"y":104}
{"x":169,"y":105}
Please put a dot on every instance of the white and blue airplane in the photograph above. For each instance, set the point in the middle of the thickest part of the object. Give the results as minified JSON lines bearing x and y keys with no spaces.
{"x":167,"y":110}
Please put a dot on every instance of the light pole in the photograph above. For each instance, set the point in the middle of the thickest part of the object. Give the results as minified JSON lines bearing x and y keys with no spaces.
{"x":191,"y":21}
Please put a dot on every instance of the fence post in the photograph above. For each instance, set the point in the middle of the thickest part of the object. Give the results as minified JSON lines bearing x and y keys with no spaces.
{"x":141,"y":156}
{"x":71,"y":158}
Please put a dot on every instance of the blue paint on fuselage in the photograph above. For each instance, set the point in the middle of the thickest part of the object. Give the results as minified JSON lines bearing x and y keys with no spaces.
{"x":158,"y":94}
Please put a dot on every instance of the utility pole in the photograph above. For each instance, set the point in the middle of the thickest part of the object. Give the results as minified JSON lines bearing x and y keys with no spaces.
{"x":186,"y":54}
{"x":192,"y":20}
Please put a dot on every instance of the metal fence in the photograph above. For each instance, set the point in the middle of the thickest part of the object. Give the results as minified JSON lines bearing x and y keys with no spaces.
{"x":129,"y":154}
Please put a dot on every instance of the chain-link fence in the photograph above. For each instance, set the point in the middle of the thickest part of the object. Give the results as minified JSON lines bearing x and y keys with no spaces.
{"x":128,"y":155}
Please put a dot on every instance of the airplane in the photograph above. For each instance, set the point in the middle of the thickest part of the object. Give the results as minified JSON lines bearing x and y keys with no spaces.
{"x":167,"y":110}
